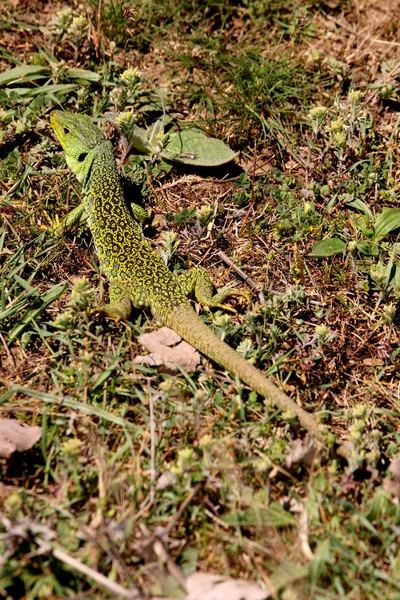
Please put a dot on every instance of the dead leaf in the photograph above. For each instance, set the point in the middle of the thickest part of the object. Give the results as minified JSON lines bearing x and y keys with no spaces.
{"x":345,"y":449}
{"x":26,"y":529}
{"x":166,"y":480}
{"x":302,"y":452}
{"x":159,"y":221}
{"x":15,"y":437}
{"x":395,"y":468}
{"x":392,"y":487}
{"x":392,"y":484}
{"x":373,"y":362}
{"x":167,"y":350}
{"x":205,"y":586}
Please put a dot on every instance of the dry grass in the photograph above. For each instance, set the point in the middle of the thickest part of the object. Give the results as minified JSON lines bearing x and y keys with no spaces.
{"x":131,"y":458}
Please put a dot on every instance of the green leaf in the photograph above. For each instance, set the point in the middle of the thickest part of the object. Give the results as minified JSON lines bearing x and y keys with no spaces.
{"x":387,"y":221}
{"x":44,"y":90}
{"x":364,"y":224}
{"x":361,"y":207}
{"x":138,"y":139}
{"x":272,"y":516}
{"x":192,"y":147}
{"x":33,"y":72}
{"x":367,"y":248}
{"x":80,"y":407}
{"x":321,"y":558}
{"x":36,"y":309}
{"x":396,"y":248}
{"x":30,"y":72}
{"x":154,"y":130}
{"x":286,"y":573}
{"x":395,"y":280}
{"x":328,"y":247}
{"x":83,"y":74}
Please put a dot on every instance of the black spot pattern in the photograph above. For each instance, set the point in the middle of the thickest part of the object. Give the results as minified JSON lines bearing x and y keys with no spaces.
{"x":126,"y":257}
{"x":149,"y":282}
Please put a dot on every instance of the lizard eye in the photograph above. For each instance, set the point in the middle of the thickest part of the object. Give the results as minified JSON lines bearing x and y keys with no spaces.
{"x":66,"y":130}
{"x":82,"y":157}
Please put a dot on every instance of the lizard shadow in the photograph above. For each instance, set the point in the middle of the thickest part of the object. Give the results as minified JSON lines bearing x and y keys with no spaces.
{"x":133,"y":192}
{"x":226,"y":172}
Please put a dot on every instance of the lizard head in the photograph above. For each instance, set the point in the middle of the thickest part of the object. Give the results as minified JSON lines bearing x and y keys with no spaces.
{"x":78,"y":138}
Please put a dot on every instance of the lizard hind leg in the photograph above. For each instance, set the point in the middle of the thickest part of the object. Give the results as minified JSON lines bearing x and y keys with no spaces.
{"x":198,"y":281}
{"x":120,"y":305}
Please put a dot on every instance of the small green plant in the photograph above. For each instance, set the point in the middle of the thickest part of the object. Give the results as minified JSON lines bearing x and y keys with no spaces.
{"x":370,"y":240}
{"x":196,"y":460}
{"x":341,"y":131}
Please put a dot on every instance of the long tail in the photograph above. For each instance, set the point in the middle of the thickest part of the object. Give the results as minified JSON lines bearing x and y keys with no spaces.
{"x":185,"y":322}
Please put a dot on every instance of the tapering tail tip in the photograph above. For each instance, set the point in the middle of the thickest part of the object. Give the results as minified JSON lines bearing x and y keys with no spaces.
{"x":191,"y":328}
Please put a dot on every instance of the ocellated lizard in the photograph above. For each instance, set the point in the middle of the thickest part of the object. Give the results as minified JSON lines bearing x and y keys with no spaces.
{"x":137,"y":275}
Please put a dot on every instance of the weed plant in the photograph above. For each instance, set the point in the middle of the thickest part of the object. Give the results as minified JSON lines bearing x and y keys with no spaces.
{"x":132,"y":459}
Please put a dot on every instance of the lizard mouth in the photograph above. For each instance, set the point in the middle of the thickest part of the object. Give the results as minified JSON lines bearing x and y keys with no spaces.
{"x":56,"y":123}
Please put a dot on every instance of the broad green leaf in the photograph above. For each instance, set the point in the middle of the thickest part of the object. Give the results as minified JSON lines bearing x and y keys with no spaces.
{"x":36,"y":309}
{"x":83,"y":74}
{"x":272,"y":516}
{"x":24,"y":72}
{"x":286,"y":573}
{"x":360,"y":206}
{"x":154,"y":130}
{"x":386,"y":221}
{"x":33,"y":72}
{"x":138,"y":139}
{"x":44,"y":90}
{"x":395,"y":281}
{"x":20,"y":91}
{"x":368,"y":248}
{"x":321,"y":558}
{"x":192,"y":147}
{"x":328,"y":247}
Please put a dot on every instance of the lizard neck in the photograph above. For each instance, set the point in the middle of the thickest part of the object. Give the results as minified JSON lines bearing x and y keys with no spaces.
{"x":115,"y":233}
{"x":102,"y":185}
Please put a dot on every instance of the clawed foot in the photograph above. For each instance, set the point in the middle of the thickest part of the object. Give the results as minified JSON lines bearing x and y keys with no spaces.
{"x":217,"y":301}
{"x":109,"y":312}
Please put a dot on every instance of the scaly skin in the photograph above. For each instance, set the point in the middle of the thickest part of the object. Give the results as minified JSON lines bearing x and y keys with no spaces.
{"x":136,"y":273}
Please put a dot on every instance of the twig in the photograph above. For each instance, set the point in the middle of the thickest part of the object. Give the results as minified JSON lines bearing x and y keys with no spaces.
{"x":303,"y":535}
{"x":387,"y":42}
{"x":167,"y":530}
{"x":250,"y":282}
{"x":253,"y":176}
{"x":152,"y":443}
{"x":102,"y":580}
{"x":173,"y":569}
{"x":8,"y":352}
{"x":98,"y":24}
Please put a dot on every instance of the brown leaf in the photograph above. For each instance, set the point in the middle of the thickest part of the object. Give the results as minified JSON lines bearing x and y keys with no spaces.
{"x":166,"y":480}
{"x":166,"y":349}
{"x":302,"y":452}
{"x":395,"y":468}
{"x":15,"y":437}
{"x":392,"y":485}
{"x":373,"y":362}
{"x":205,"y":586}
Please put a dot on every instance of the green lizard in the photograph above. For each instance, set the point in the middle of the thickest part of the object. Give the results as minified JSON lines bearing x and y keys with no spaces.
{"x":137,"y":275}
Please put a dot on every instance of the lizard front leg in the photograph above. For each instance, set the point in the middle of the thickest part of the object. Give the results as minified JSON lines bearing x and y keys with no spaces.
{"x":120,"y":305}
{"x":139,"y":213}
